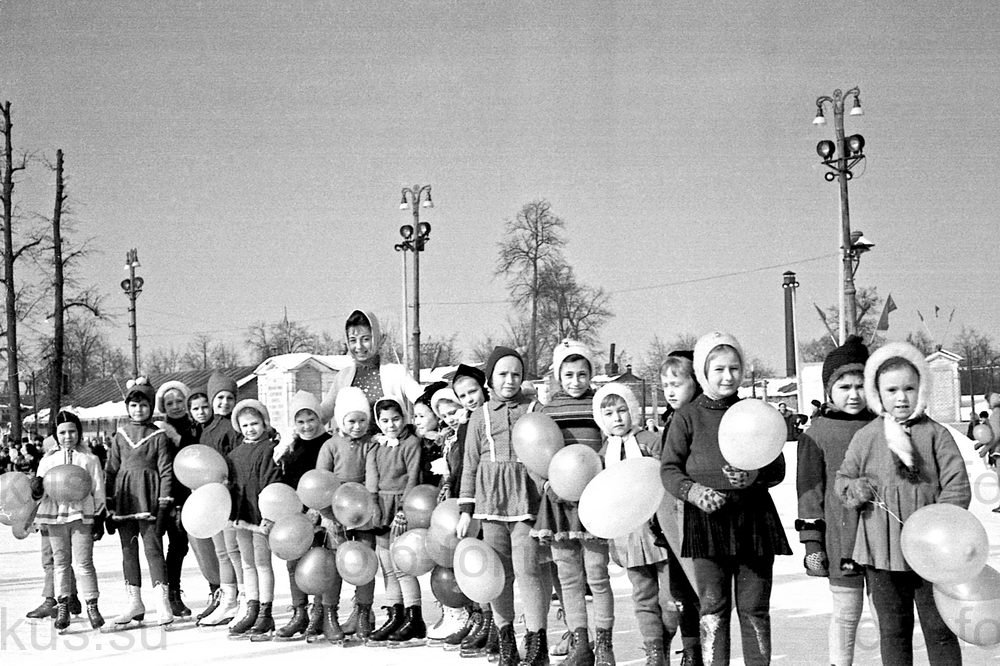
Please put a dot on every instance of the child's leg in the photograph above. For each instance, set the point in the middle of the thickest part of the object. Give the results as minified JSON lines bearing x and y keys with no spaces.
{"x":82,"y":544}
{"x":532,"y":577}
{"x":645,"y":601}
{"x":498,"y":537}
{"x":714,"y":584}
{"x":942,"y":644}
{"x":244,"y":544}
{"x":410,"y":589}
{"x":893,"y":595}
{"x":753,"y":605}
{"x":262,"y":562}
{"x":569,"y":566}
{"x":62,"y":558}
{"x":227,"y":550}
{"x":595,"y":562}
{"x":669,"y":614}
{"x":208,"y":563}
{"x":177,"y":549}
{"x":48,"y":566}
{"x":152,"y":543}
{"x":393,"y":592}
{"x":298,"y":596}
{"x":128,"y":534}
{"x":685,"y":600}
{"x":848,"y":603}
{"x":364,"y":595}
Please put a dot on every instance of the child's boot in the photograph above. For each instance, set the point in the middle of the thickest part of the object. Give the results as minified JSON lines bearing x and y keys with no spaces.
{"x":263,"y":628}
{"x":46,"y":609}
{"x":366,"y":621}
{"x":536,"y":648}
{"x":331,"y":625}
{"x":413,"y":626}
{"x":475,"y":639}
{"x":94,"y":614}
{"x":580,"y":651}
{"x":393,"y":622}
{"x":242,"y":625}
{"x":453,"y":620}
{"x":473,"y":619}
{"x":161,"y":596}
{"x":225,"y":610}
{"x":177,"y":606}
{"x":296,"y":624}
{"x":507,"y":642}
{"x":214,"y":597}
{"x":136,"y":610}
{"x":654,"y":653}
{"x":317,"y":616}
{"x":604,"y":654}
{"x":75,"y":607}
{"x":62,"y":613}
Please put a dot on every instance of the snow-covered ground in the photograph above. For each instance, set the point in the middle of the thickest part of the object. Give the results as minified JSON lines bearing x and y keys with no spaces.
{"x":799,"y":610}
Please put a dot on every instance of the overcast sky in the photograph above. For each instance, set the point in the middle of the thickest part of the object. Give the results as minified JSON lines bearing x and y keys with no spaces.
{"x":254,"y":152}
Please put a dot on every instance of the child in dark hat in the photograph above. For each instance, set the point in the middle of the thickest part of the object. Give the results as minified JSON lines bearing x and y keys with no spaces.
{"x":825,"y":526}
{"x":427,"y":426}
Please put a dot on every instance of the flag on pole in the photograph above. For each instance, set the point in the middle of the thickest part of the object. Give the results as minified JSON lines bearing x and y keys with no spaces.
{"x":826,"y":324}
{"x":883,"y":321}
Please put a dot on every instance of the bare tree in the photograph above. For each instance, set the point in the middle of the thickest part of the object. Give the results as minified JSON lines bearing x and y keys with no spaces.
{"x":868,"y":308}
{"x":532,"y":241}
{"x":282,"y":337}
{"x":224,"y":356}
{"x":199,"y":353}
{"x":568,"y":309}
{"x":163,"y":361}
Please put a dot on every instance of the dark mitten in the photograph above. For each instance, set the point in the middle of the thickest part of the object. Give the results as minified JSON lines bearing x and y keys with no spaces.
{"x":163,"y":516}
{"x":659,"y":539}
{"x":37,"y":488}
{"x":851,"y":568}
{"x":816,"y":561}
{"x":177,"y":519}
{"x":97,"y":529}
{"x":108,"y":520}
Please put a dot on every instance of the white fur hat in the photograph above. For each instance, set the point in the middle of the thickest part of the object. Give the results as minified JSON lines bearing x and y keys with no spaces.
{"x":568,"y":348}
{"x":704,"y":347}
{"x":304,"y":400}
{"x":443,"y":394}
{"x":349,"y":399}
{"x":614,"y":388}
{"x":167,"y":386}
{"x":250,"y":403}
{"x":905,"y":351}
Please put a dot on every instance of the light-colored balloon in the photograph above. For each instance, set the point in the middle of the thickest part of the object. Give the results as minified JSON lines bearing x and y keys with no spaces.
{"x":277,"y":500}
{"x":751,"y":434}
{"x":478,"y":570}
{"x":316,"y":488}
{"x":206,"y":511}
{"x":972,"y":609}
{"x":15,"y":493}
{"x":536,"y":438}
{"x":197,"y":464}
{"x":291,"y":536}
{"x":356,"y":562}
{"x":571,"y":469}
{"x":409,"y":552}
{"x":621,"y":498}
{"x":945,"y":543}
{"x":67,"y":483}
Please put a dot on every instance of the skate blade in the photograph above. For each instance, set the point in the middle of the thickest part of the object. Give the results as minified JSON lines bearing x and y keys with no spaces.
{"x":471,"y":654}
{"x":413,"y":642}
{"x":289,"y":639}
{"x":262,"y":638}
{"x":239,"y":637}
{"x":115,"y":628}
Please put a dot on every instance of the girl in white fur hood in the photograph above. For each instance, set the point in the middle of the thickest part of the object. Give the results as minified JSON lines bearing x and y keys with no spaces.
{"x":903,"y":461}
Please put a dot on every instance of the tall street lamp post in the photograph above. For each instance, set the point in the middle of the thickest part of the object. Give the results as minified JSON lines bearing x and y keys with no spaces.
{"x":132,"y":286}
{"x":415,"y":236}
{"x":840,"y":157}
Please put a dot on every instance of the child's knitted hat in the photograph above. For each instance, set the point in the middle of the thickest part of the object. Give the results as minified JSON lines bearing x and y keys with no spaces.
{"x":885,"y":353}
{"x":446,"y":393}
{"x":304,"y":400}
{"x":350,"y":399}
{"x":250,"y":403}
{"x":200,"y":392}
{"x":140,"y":386}
{"x":168,"y":386}
{"x":389,"y":399}
{"x":568,"y":348}
{"x":848,"y":357}
{"x":428,"y":394}
{"x":614,"y":388}
{"x":220,"y":382}
{"x":372,"y":324}
{"x":495,"y":356}
{"x":474,"y":373}
{"x":704,"y":347}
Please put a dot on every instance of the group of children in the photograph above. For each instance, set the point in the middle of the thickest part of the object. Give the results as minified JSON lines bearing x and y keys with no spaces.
{"x":869,"y":461}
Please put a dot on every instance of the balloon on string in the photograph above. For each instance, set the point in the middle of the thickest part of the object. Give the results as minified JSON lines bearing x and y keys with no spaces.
{"x":571,"y":469}
{"x":197,"y":464}
{"x":353,"y":505}
{"x":356,"y":562}
{"x":316,"y":488}
{"x":277,"y":500}
{"x":316,"y":570}
{"x":441,"y":537}
{"x":206,"y":511}
{"x":15,"y":492}
{"x":944,"y":543}
{"x":536,"y":438}
{"x":983,"y":433}
{"x":478,"y":570}
{"x":446,"y":589}
{"x":971,"y":609}
{"x":622,"y":498}
{"x":751,"y":434}
{"x":291,"y":536}
{"x":419,"y":504}
{"x":67,"y":483}
{"x":409,"y":552}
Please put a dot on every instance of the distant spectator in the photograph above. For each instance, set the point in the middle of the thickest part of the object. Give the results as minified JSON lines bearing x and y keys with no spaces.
{"x":791,"y":425}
